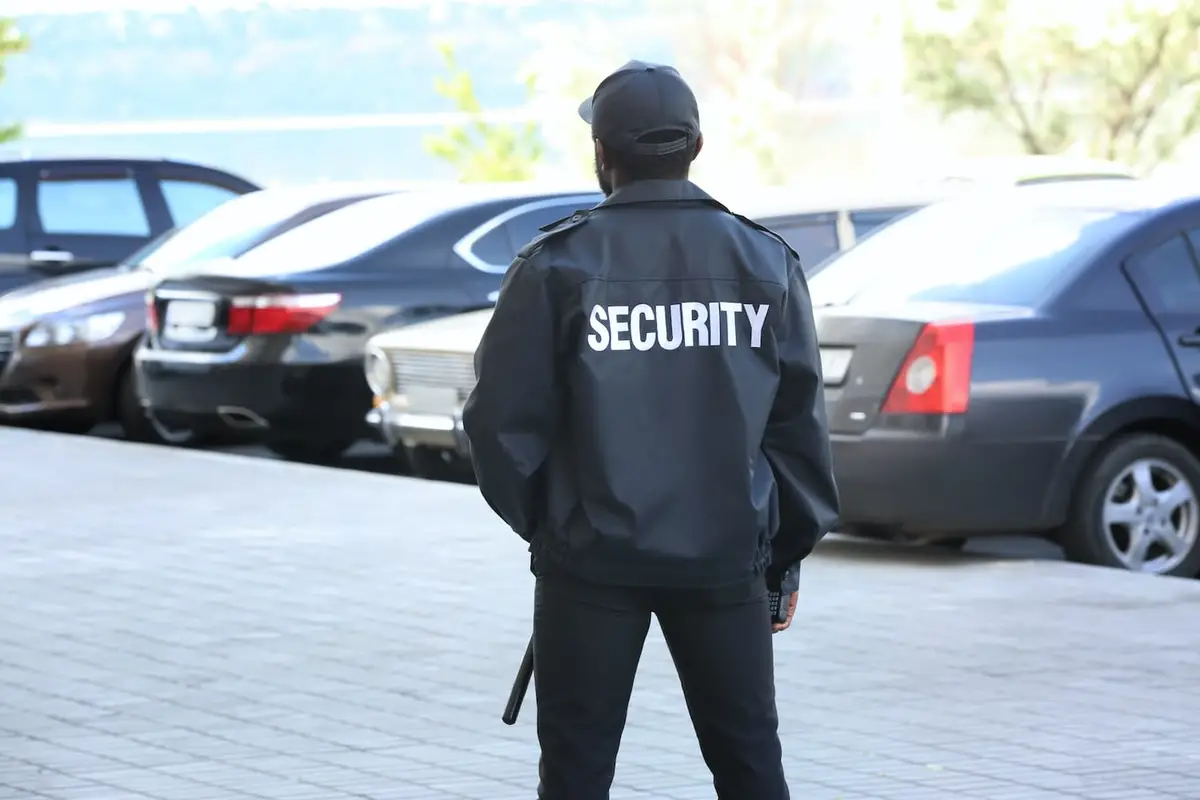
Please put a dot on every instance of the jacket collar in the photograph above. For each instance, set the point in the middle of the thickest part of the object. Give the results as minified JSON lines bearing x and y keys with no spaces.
{"x":658,"y":191}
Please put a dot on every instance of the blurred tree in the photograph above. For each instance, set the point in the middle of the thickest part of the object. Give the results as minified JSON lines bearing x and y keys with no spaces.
{"x":11,"y":43}
{"x":482,"y":150}
{"x":1122,"y":83}
{"x":749,"y":61}
{"x":753,"y":62}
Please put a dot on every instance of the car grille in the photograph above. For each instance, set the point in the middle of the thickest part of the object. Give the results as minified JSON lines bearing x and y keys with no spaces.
{"x":434,"y":370}
{"x":7,"y":342}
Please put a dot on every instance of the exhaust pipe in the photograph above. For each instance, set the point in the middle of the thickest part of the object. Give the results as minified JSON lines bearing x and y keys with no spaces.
{"x":241,"y":418}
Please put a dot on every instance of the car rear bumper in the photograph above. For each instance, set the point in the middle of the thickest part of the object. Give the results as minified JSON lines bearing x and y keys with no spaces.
{"x":400,"y":428}
{"x":310,"y":402}
{"x":930,"y":484}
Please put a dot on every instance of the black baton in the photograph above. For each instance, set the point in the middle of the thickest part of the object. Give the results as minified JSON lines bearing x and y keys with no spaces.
{"x":520,"y":686}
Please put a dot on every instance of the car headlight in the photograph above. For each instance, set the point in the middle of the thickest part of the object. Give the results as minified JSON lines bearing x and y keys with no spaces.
{"x":91,"y":330}
{"x":379,"y":372}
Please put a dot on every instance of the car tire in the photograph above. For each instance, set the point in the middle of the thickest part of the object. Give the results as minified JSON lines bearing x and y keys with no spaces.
{"x":74,"y":427}
{"x":1137,"y":507}
{"x":139,"y":423}
{"x":430,"y":463}
{"x":305,"y":452}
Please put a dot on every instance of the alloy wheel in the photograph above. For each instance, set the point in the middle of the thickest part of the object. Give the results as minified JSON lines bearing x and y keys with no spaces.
{"x":1150,"y":516}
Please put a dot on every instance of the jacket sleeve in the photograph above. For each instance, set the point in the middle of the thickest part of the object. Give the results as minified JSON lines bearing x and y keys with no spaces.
{"x":513,"y":412}
{"x":796,"y":442}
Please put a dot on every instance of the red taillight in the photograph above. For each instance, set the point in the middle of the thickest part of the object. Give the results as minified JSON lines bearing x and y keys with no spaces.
{"x":278,"y":313}
{"x":936,"y":376}
{"x":151,"y":313}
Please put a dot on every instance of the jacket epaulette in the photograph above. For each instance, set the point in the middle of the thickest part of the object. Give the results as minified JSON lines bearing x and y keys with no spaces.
{"x":556,"y":228}
{"x":768,"y":232}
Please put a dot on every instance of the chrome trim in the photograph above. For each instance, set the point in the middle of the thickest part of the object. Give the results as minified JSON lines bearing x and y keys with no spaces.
{"x":434,"y":369}
{"x":444,"y":423}
{"x":51,"y":257}
{"x":462,"y":248}
{"x":185,"y":294}
{"x":145,"y":354}
{"x":241,"y":418}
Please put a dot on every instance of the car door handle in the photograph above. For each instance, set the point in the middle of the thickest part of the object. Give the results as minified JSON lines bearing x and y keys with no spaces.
{"x":1190,"y":339}
{"x":493,"y":296}
{"x":51,"y":257}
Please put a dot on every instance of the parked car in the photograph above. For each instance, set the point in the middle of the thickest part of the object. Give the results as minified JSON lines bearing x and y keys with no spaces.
{"x":420,"y":375}
{"x":66,"y":343}
{"x":272,"y":343}
{"x":826,"y":220}
{"x":1031,"y":368}
{"x":1027,"y":170}
{"x":60,"y":216}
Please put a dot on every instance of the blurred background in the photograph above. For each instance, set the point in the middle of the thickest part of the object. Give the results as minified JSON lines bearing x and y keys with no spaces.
{"x":301,"y":90}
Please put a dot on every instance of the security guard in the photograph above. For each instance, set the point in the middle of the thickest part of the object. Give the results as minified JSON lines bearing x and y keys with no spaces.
{"x":649,"y":417}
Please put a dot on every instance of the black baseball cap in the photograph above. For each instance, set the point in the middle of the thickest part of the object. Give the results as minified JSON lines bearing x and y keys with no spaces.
{"x":635,"y":109}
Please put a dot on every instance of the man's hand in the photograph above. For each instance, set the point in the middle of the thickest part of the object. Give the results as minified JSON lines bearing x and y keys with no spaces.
{"x":783,"y":626}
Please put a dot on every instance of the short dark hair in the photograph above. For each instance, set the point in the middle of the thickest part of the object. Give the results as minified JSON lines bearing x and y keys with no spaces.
{"x":672,"y":166}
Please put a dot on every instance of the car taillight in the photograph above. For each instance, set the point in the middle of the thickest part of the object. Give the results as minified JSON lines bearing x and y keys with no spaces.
{"x":151,"y":313}
{"x":279,"y":313}
{"x":936,"y":376}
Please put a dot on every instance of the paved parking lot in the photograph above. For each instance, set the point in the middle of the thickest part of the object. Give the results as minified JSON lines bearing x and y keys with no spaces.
{"x":198,"y":626}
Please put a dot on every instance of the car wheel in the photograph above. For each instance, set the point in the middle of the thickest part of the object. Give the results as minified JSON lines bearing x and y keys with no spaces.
{"x":1137,"y":507}
{"x":76,"y":427}
{"x":400,"y":456}
{"x":304,"y":452}
{"x":952,"y":543}
{"x":139,"y":424}
{"x":431,"y":463}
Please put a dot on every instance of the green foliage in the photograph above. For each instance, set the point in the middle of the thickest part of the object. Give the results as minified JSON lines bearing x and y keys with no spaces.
{"x":482,"y":150}
{"x":11,"y":44}
{"x":1121,"y":84}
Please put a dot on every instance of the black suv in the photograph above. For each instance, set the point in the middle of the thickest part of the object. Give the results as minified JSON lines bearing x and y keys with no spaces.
{"x":65,"y":215}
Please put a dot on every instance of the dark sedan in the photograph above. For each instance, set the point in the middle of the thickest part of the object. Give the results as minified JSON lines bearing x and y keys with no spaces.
{"x":272,"y":343}
{"x":66,"y":344}
{"x":1025,"y":360}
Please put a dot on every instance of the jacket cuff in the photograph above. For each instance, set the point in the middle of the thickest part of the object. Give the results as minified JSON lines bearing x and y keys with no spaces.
{"x":788,"y":582}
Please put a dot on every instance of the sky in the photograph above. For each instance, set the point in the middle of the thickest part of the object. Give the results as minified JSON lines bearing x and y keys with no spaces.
{"x":17,"y":8}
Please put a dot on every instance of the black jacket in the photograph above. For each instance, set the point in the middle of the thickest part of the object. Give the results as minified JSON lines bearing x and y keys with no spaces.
{"x":649,"y":408}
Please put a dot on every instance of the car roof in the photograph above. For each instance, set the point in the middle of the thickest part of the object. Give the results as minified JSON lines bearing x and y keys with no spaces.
{"x":782,"y":201}
{"x":9,"y":156}
{"x":1102,"y":195}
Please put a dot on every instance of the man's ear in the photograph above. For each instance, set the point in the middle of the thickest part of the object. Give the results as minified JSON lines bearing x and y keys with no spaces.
{"x":600,"y":161}
{"x":699,"y":145}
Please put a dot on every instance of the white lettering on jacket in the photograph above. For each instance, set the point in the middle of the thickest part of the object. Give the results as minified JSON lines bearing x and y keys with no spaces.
{"x":669,"y":327}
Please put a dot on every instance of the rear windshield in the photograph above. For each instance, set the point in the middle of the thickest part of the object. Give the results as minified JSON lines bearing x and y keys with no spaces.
{"x":999,"y":251}
{"x":346,"y":233}
{"x":224,"y":232}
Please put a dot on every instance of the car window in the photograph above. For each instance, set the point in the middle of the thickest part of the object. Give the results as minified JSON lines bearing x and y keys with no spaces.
{"x":494,"y":247}
{"x":347,"y":233}
{"x":8,"y":203}
{"x":997,"y":250}
{"x":230,"y":229}
{"x":1167,"y":277}
{"x":499,"y":246}
{"x":189,"y":200}
{"x":92,"y":206}
{"x":867,"y":222}
{"x":813,"y":240}
{"x":524,"y":228}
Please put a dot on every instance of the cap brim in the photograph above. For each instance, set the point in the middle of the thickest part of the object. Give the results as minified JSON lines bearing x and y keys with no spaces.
{"x":585,"y":111}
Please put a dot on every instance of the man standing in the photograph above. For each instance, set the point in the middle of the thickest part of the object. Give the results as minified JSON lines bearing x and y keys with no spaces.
{"x":649,"y":417}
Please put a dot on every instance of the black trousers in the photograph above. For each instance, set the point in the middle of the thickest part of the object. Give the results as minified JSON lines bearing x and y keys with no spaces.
{"x":587,"y":643}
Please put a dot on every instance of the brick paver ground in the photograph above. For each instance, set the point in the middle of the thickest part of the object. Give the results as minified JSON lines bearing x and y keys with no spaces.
{"x":193,"y":626}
